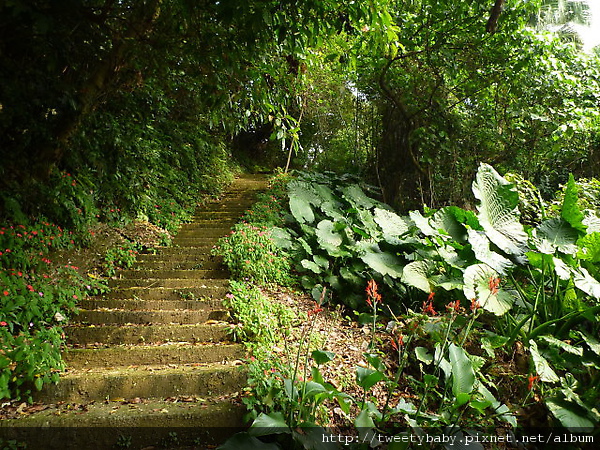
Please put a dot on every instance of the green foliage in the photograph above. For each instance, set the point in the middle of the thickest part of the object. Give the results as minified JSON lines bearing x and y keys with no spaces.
{"x":122,"y":256}
{"x":258,"y":317}
{"x":250,"y":253}
{"x":37,"y":299}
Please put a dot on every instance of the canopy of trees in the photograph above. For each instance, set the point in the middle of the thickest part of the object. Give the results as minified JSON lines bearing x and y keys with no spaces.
{"x":146,"y":100}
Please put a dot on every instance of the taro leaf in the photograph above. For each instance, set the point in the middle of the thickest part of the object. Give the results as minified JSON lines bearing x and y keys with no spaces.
{"x":356,"y":197}
{"x":325,"y":193}
{"x":329,"y":239}
{"x":305,"y":246}
{"x":312,"y":437}
{"x":499,"y":212}
{"x":591,"y":221}
{"x":552,"y":341}
{"x":281,"y":237}
{"x":404,"y":407}
{"x":481,"y":247}
{"x":567,"y":417}
{"x":332,"y":210}
{"x":445,"y":221}
{"x":542,"y":367}
{"x":588,"y":284}
{"x":478,"y":284}
{"x":392,"y":225}
{"x":351,"y":276}
{"x":266,"y":424}
{"x":463,"y":375}
{"x":589,"y":247}
{"x":561,"y":269}
{"x":321,"y":357}
{"x":312,"y":388}
{"x":499,"y":408}
{"x":556,"y":234}
{"x":367,"y":223}
{"x":310,"y":265}
{"x":592,"y":343}
{"x":244,"y":441}
{"x":569,"y":210}
{"x":367,"y":378}
{"x":383,"y":263}
{"x":423,"y":355}
{"x":321,"y":261}
{"x":302,"y":196}
{"x":422,"y":223}
{"x":417,"y":274}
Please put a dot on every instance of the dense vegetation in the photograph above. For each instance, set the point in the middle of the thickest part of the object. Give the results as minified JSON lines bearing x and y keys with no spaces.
{"x":119,"y":111}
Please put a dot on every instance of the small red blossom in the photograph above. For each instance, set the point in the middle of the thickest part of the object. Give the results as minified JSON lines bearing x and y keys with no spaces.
{"x":372,"y":295}
{"x":475,"y":305}
{"x":6,"y":293}
{"x":30,"y":288}
{"x":494,"y":284}
{"x":531,"y":381}
{"x":453,"y":306}
{"x":397,"y":342}
{"x":316,"y":310}
{"x":428,"y":305}
{"x":3,"y":324}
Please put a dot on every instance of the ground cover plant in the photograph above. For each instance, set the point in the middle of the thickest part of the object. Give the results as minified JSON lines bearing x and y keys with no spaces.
{"x":480,"y":308}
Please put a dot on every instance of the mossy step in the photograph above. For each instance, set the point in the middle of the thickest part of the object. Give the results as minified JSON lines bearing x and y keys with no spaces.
{"x":200,"y":249}
{"x":134,"y":355}
{"x":173,"y":273}
{"x":138,"y":304}
{"x":109,"y":425}
{"x":139,"y":334}
{"x":172,"y":263}
{"x":150,"y":382}
{"x":176,"y":283}
{"x":121,"y":316}
{"x":210,"y":290}
{"x":175,"y":256}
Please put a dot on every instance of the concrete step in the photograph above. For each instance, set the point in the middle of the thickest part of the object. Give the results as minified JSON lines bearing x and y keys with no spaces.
{"x":146,"y":382}
{"x":198,"y":274}
{"x":140,"y":355}
{"x":109,"y":425}
{"x":176,"y":283}
{"x":190,"y":302}
{"x":122,"y":316}
{"x":171,"y":263}
{"x":139,"y":334}
{"x":203,"y":233}
{"x":175,"y":290}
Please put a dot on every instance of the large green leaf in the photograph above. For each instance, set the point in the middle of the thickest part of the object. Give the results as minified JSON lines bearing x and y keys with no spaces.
{"x":569,"y":210}
{"x":383,"y":262}
{"x":445,"y":222}
{"x":463,"y":375}
{"x":356,"y":197}
{"x":542,"y":367}
{"x":266,"y":424}
{"x":481,"y":247}
{"x":556,"y":234}
{"x":589,"y":247}
{"x":587,"y":283}
{"x":392,"y":225}
{"x":302,"y":196}
{"x":498,"y":211}
{"x":329,"y":239}
{"x":417,"y":274}
{"x":478,"y":284}
{"x":568,"y":417}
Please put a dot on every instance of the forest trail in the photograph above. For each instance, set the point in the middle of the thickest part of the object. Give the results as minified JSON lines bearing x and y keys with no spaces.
{"x":154,"y":351}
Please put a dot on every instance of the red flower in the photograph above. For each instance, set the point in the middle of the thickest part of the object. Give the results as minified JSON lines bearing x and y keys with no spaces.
{"x":396,"y":343}
{"x":532,"y":379}
{"x":372,"y":295}
{"x":453,"y":306}
{"x":428,"y":305}
{"x":3,"y":324}
{"x":475,"y":304}
{"x":30,"y":287}
{"x":494,"y":284}
{"x":6,"y":293}
{"x":316,"y":310}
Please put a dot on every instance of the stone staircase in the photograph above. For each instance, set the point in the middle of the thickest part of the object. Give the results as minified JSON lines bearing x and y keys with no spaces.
{"x":151,"y":359}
